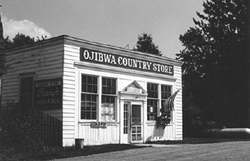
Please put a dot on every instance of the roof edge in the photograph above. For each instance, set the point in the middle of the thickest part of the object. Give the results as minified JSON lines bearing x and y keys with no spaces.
{"x":80,"y":40}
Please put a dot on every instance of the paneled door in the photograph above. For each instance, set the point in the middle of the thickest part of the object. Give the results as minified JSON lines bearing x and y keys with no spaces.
{"x":136,"y":125}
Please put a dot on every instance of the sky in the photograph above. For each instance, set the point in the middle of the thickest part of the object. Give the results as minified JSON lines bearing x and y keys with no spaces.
{"x":113,"y":22}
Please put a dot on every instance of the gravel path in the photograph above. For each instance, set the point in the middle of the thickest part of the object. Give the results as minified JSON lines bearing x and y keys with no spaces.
{"x":236,"y":150}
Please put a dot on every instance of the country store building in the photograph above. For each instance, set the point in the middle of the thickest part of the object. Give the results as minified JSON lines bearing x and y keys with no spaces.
{"x":101,"y":93}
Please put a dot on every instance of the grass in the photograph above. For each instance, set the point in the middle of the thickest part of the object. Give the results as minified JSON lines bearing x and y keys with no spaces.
{"x":196,"y":141}
{"x":58,"y":152}
{"x":49,"y":153}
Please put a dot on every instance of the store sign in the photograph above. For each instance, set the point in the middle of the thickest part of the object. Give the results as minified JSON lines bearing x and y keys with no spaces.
{"x":125,"y":62}
{"x":48,"y":94}
{"x":98,"y":124}
{"x":133,"y":90}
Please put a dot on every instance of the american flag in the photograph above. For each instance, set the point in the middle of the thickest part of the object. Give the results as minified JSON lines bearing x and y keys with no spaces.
{"x":168,"y":105}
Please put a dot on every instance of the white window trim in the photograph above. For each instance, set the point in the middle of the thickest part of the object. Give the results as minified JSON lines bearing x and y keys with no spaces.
{"x":172,"y":113}
{"x":99,"y":98}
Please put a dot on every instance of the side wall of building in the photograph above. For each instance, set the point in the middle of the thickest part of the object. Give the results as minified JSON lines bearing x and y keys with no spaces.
{"x":70,"y":95}
{"x":178,"y":104}
{"x":41,"y":61}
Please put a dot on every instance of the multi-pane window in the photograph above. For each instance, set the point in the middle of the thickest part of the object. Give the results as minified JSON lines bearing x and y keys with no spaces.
{"x":89,"y":97}
{"x":155,"y":98}
{"x":152,"y":101}
{"x":26,"y":92}
{"x":109,"y":86}
{"x":125,"y":119}
{"x":108,"y":99}
{"x":165,"y":93}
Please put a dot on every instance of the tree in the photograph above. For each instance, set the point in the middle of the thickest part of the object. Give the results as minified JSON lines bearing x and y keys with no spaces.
{"x":20,"y":40}
{"x":145,"y":44}
{"x":216,"y":63}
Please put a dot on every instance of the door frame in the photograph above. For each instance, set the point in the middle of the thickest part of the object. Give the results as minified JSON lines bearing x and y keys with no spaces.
{"x":131,"y":103}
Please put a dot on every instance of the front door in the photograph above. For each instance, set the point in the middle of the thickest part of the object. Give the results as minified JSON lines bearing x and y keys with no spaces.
{"x":136,"y":125}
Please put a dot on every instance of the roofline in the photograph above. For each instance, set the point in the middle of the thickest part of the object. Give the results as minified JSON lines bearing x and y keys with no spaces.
{"x":74,"y":39}
{"x":79,"y":40}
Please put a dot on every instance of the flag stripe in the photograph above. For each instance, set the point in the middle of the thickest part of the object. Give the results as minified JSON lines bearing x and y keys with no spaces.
{"x":168,"y":105}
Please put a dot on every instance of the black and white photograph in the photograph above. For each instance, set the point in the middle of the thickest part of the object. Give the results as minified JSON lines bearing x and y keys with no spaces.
{"x":124,"y":80}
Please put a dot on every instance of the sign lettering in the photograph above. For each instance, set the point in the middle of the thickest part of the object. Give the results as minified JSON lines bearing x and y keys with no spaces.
{"x":125,"y":62}
{"x":98,"y":125}
{"x":48,"y":94}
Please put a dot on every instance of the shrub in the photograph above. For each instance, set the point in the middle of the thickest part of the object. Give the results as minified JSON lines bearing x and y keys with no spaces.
{"x":192,"y":122}
{"x":20,"y":129}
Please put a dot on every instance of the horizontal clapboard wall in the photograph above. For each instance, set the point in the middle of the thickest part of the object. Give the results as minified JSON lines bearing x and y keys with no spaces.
{"x":70,"y":92}
{"x":178,"y":104}
{"x":41,"y":62}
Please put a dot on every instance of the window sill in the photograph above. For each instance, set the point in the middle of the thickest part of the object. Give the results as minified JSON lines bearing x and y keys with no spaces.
{"x":89,"y":121}
{"x":153,"y":122}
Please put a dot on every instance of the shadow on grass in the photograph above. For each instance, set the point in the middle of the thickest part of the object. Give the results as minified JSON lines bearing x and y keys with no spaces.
{"x":51,"y":153}
{"x":197,"y":141}
{"x":59,"y":153}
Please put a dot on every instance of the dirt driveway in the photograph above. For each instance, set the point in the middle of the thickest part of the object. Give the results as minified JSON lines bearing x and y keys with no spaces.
{"x":234,"y":150}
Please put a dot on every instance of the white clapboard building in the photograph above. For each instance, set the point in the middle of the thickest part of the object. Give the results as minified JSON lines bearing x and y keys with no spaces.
{"x":101,"y":93}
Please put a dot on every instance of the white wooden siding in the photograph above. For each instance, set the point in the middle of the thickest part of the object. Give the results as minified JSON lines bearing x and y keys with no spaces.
{"x":155,"y":134}
{"x":178,"y":104}
{"x":70,"y":102}
{"x":94,"y":136}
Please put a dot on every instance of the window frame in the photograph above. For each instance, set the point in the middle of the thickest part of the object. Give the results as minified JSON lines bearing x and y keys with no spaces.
{"x":160,"y":100}
{"x":155,"y":112}
{"x":90,"y":94}
{"x":108,"y":94}
{"x":98,"y":97}
{"x":126,"y":118}
{"x":168,"y":93}
{"x":23,"y":76}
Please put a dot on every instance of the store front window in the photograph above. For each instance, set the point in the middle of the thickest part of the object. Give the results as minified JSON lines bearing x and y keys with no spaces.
{"x":152,"y":101}
{"x":155,"y":99}
{"x":89,"y":97}
{"x":108,"y":99}
{"x":90,"y":94}
{"x":166,"y":91}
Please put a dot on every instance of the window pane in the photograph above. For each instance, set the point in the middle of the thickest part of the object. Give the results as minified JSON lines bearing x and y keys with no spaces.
{"x":88,"y":106}
{"x":108,"y":108}
{"x":84,"y":79}
{"x":90,"y":80}
{"x":125,"y":119}
{"x":152,"y":101}
{"x":109,"y":86}
{"x":165,"y":91}
{"x":152,"y":90}
{"x":166,"y":113}
{"x":152,"y":105}
{"x":89,"y":84}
